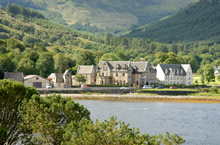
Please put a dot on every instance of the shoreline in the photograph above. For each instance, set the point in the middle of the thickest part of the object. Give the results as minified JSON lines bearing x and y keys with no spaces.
{"x":142,"y":98}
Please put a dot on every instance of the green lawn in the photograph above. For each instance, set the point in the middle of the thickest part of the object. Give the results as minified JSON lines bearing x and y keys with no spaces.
{"x":166,"y":89}
{"x":197,"y":77}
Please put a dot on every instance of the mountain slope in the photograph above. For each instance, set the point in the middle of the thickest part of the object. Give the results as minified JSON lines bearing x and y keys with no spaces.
{"x":199,"y":21}
{"x":105,"y":14}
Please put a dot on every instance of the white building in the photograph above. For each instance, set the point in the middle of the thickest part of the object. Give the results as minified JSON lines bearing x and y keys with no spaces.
{"x":174,"y":74}
{"x":216,"y":70}
{"x":35,"y":81}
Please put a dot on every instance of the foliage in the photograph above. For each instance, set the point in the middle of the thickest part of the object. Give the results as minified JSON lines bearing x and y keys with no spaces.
{"x":113,"y":132}
{"x":58,"y":48}
{"x":199,"y":21}
{"x":12,"y":97}
{"x":93,"y":16}
{"x":15,"y":10}
{"x":45,"y":64}
{"x":209,"y":73}
{"x":3,"y":135}
{"x":218,"y":77}
{"x":214,"y":90}
{"x":80,"y":78}
{"x":109,"y":57}
{"x":48,"y":117}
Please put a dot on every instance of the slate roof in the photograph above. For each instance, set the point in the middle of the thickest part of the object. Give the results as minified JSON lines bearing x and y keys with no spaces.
{"x":176,"y":68}
{"x":139,"y":66}
{"x":14,"y":76}
{"x":115,"y":65}
{"x":85,"y":69}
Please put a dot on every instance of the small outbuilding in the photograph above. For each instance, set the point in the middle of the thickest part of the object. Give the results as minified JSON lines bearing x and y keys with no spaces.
{"x":14,"y":76}
{"x":35,"y":81}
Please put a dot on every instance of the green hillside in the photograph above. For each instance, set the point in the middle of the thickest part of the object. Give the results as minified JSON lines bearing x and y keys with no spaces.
{"x":31,"y":44}
{"x":198,"y":22}
{"x":114,"y":15}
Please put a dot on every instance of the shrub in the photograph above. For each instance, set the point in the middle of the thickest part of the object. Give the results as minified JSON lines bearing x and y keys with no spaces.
{"x":214,"y":90}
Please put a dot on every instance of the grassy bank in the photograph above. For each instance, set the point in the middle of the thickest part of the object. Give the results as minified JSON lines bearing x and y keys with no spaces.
{"x":145,"y":98}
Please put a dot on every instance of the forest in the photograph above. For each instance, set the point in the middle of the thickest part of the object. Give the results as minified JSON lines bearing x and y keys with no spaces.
{"x":35,"y":45}
{"x":197,"y":22}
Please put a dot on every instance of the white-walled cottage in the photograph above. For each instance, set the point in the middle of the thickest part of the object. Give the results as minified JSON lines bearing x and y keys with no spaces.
{"x":175,"y":74}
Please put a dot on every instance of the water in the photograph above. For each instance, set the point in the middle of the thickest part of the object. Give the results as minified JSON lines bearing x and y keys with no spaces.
{"x":198,"y":124}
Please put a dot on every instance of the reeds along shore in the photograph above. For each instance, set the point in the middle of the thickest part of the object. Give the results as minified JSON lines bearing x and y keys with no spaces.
{"x":143,"y":98}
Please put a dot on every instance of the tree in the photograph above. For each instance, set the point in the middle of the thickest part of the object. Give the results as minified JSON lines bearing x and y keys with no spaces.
{"x":12,"y":97}
{"x":86,"y":58}
{"x":6,"y":63}
{"x":80,"y":78}
{"x":48,"y":117}
{"x":26,"y":66}
{"x":45,"y":64}
{"x":3,"y":135}
{"x":113,"y":132}
{"x":109,"y":57}
{"x":60,"y":63}
{"x":209,"y":73}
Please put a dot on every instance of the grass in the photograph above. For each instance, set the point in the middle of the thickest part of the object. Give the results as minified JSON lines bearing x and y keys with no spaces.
{"x":206,"y":94}
{"x":197,"y":77}
{"x":166,"y":89}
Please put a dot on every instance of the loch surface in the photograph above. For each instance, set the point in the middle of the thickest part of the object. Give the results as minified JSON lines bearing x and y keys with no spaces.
{"x":198,"y":124}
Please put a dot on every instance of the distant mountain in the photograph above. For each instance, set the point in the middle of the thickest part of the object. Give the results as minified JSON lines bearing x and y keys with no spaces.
{"x":197,"y":22}
{"x":110,"y":15}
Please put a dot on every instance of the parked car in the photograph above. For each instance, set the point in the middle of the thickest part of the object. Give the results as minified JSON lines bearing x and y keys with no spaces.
{"x":173,"y":87}
{"x":160,"y":87}
{"x":48,"y":86}
{"x":147,"y":87}
{"x":124,"y":88}
{"x":85,"y":87}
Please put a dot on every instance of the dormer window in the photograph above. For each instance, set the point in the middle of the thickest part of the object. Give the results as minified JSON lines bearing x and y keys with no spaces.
{"x":124,"y":67}
{"x":166,"y":71}
{"x":117,"y":67}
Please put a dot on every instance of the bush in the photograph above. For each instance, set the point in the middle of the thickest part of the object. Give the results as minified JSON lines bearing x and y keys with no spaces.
{"x":214,"y":90}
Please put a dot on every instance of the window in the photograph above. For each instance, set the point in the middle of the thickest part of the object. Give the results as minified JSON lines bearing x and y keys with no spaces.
{"x":123,"y":74}
{"x":116,"y":74}
{"x":103,"y":74}
{"x":37,"y":78}
{"x":189,"y":78}
{"x":177,"y":78}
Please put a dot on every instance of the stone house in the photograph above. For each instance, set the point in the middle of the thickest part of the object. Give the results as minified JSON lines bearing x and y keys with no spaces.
{"x":35,"y":81}
{"x":89,"y":72}
{"x":119,"y":73}
{"x":114,"y":72}
{"x":61,"y":80}
{"x":143,"y":73}
{"x":14,"y":76}
{"x":175,"y":74}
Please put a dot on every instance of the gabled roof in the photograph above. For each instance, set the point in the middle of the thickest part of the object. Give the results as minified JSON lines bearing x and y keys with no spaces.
{"x":14,"y":76}
{"x":115,"y":65}
{"x":140,"y":66}
{"x":186,"y":66}
{"x":58,"y":76}
{"x":177,"y":69}
{"x":85,"y":69}
{"x":31,"y":76}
